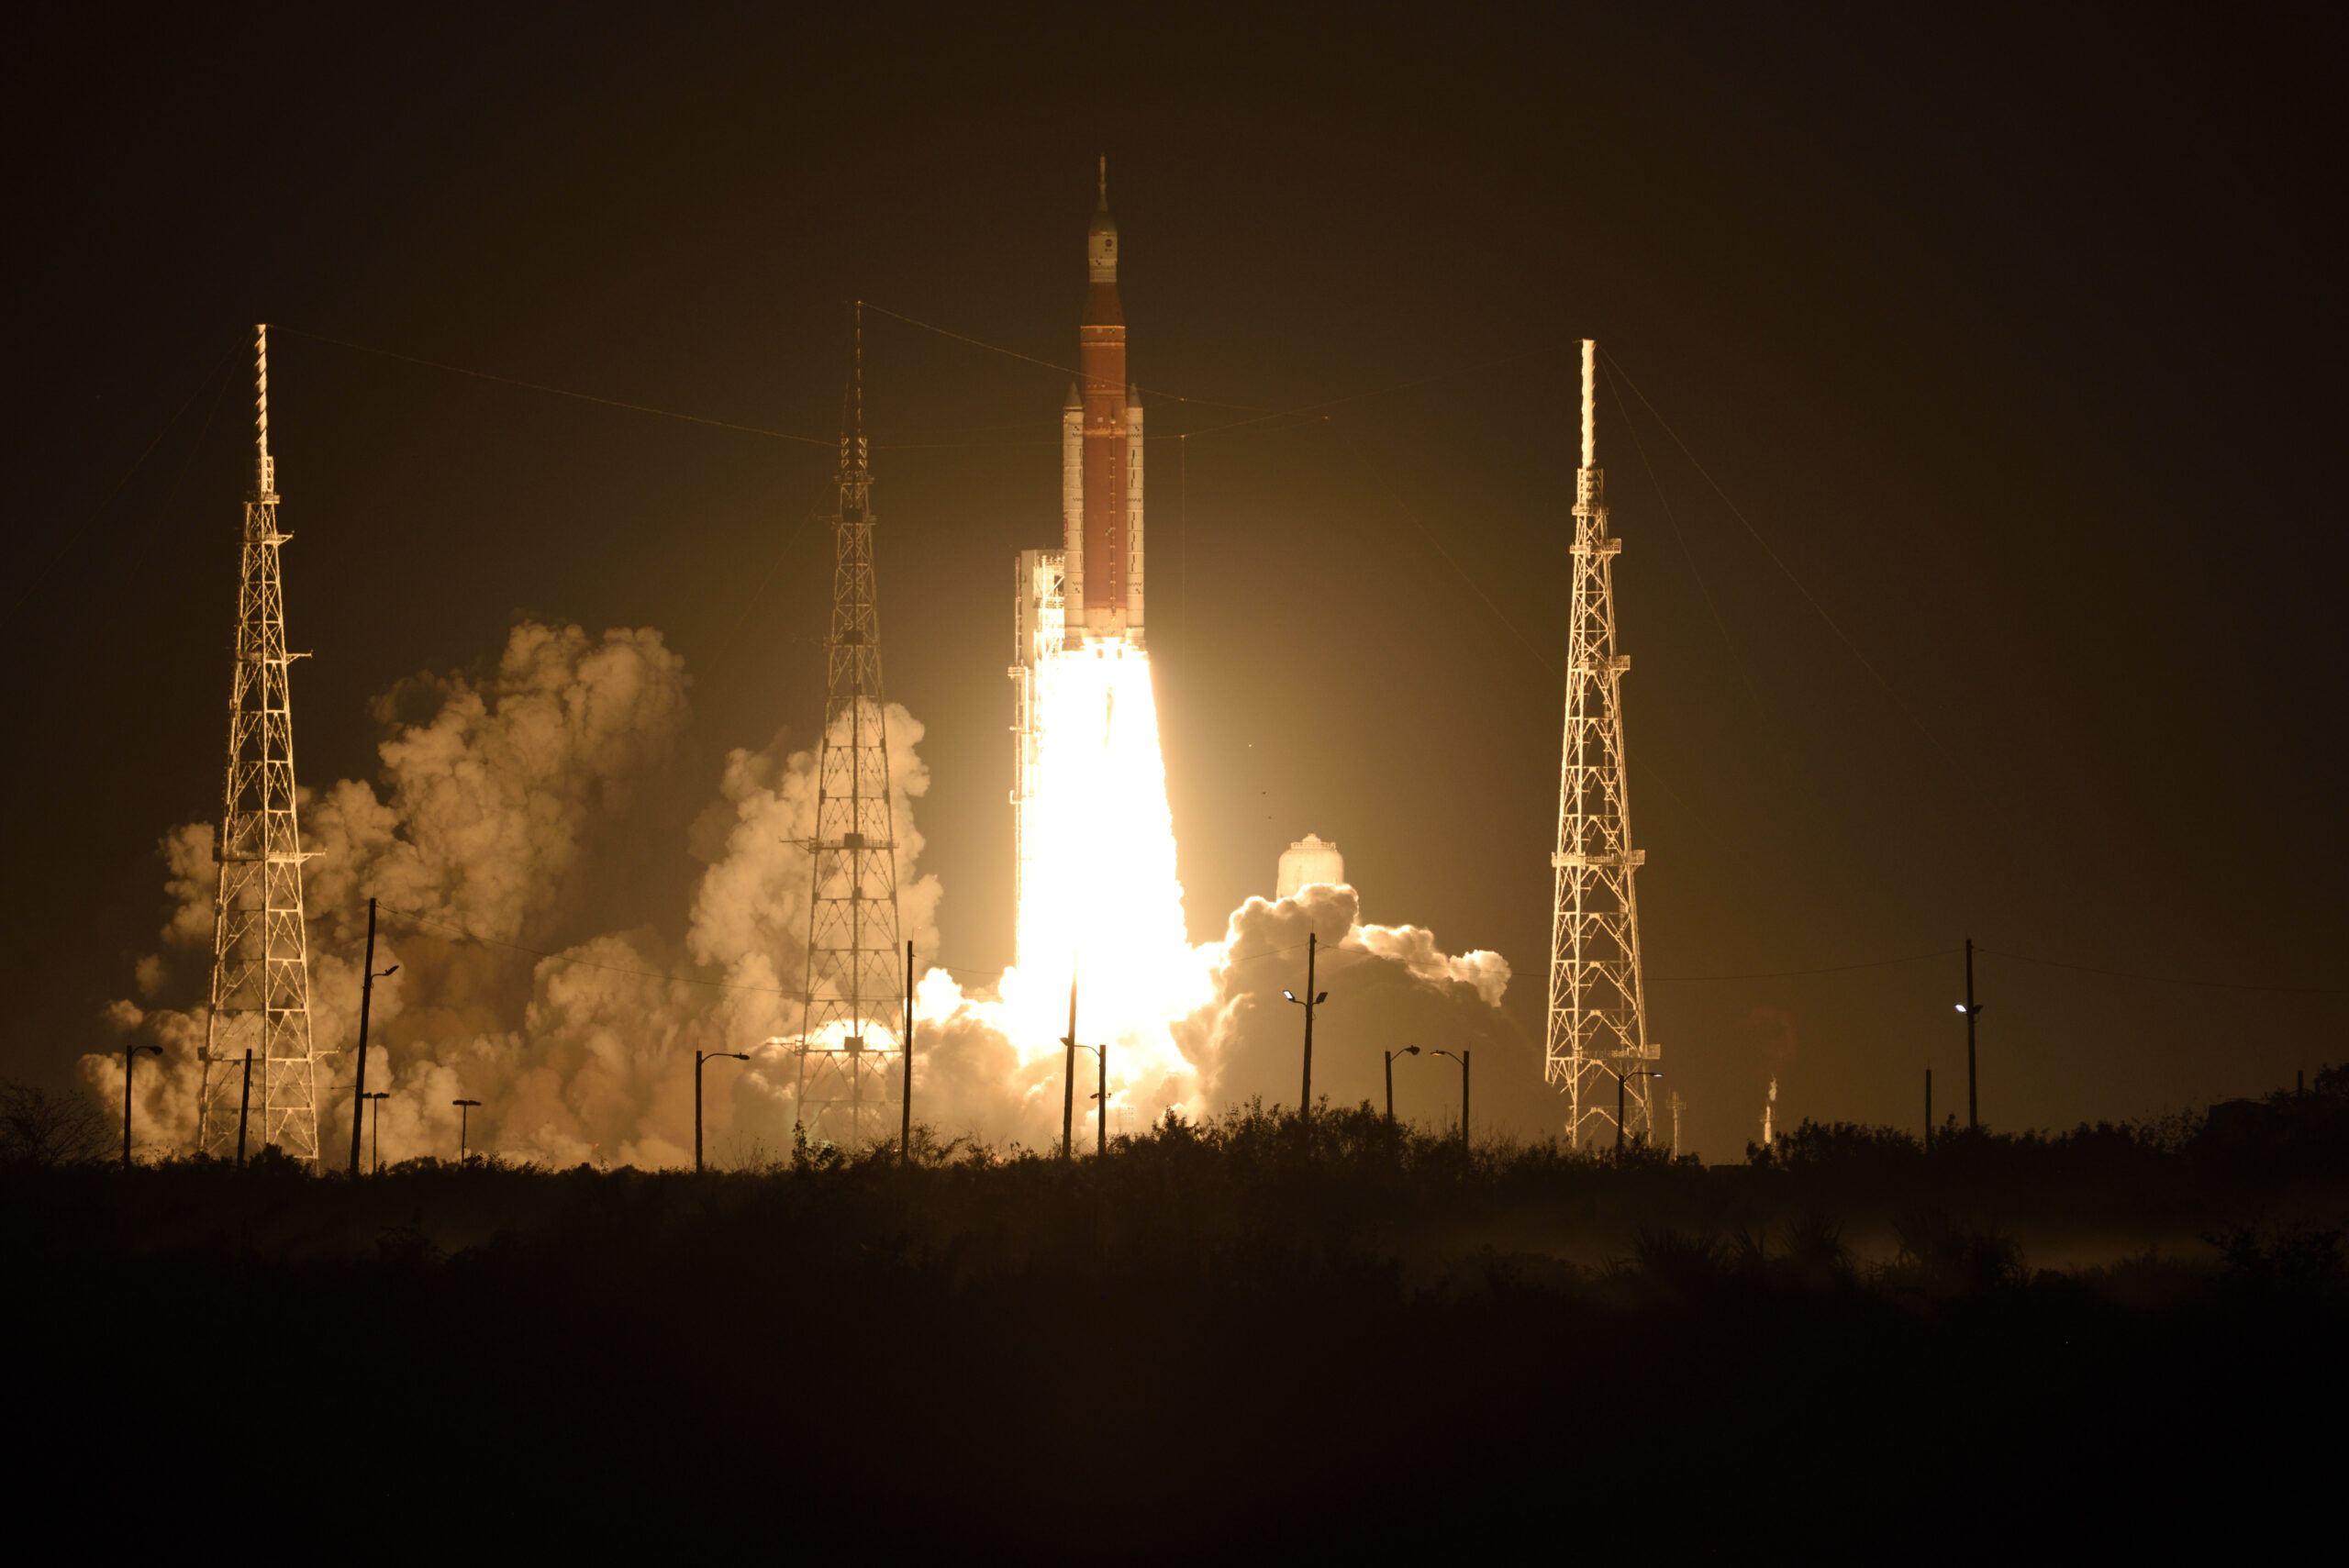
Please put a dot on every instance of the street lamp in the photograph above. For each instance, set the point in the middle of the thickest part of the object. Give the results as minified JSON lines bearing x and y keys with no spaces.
{"x":1972,"y":1009}
{"x":464,"y":1110}
{"x":700,"y":1057}
{"x":1463,"y":1060}
{"x":244,"y":1096}
{"x":1643,"y":1072}
{"x":1407,"y":1051}
{"x":379,"y":1097}
{"x":1310,"y":1000}
{"x":366,"y":999}
{"x":130,"y":1061}
{"x":1101,"y":1126}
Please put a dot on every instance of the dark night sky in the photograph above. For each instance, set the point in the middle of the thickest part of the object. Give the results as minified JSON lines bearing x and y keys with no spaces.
{"x":2009,"y":334}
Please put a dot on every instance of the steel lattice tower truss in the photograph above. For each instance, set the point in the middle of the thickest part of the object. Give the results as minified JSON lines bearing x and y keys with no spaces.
{"x":261,"y":972}
{"x":856,"y":1007}
{"x":1597,"y":1000}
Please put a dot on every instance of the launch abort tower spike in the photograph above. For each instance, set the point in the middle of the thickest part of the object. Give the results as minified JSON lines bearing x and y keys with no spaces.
{"x":854,"y":1009}
{"x":1597,"y":999}
{"x":261,"y":972}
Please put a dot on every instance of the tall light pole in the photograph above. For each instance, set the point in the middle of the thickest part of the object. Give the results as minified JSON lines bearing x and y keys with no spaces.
{"x":464,"y":1109}
{"x":244,"y":1108}
{"x":1407,"y":1051}
{"x":906,"y":1114}
{"x":1645,"y":1072}
{"x":379,"y":1097}
{"x":129,"y":1060}
{"x":1101,"y":1128}
{"x":366,"y":997}
{"x":1310,"y":1000}
{"x":1972,"y":1009}
{"x":1068,"y":1072}
{"x":1463,"y":1060}
{"x":700,"y":1057}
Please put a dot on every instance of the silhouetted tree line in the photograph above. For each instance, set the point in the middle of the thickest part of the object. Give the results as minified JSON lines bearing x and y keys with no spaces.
{"x":1264,"y":1332}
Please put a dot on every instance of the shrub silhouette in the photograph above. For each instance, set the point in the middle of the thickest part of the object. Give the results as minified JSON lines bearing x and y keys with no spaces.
{"x":1256,"y":1327}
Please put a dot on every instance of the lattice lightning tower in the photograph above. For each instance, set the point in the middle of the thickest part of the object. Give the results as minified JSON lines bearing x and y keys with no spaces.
{"x":855,"y":1008}
{"x":261,"y":972}
{"x":1597,"y":1000}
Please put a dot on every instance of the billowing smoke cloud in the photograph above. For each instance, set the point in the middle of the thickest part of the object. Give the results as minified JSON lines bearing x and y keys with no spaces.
{"x":1389,"y":988}
{"x":498,"y":800}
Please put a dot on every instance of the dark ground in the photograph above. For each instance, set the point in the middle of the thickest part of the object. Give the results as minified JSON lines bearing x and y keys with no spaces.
{"x":1225,"y":1342}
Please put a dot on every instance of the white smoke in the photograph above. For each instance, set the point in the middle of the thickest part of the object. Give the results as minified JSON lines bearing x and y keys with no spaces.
{"x":497,"y":800}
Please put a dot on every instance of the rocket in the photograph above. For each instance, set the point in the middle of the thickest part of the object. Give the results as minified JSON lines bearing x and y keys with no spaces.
{"x":1101,"y":459}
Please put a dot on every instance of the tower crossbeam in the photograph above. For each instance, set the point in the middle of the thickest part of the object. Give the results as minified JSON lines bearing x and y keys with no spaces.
{"x":261,"y":974}
{"x":1597,"y":1018}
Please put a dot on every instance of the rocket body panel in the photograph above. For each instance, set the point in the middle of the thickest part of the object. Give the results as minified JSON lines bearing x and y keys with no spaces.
{"x":1134,"y":557}
{"x":1101,"y":446}
{"x":1073,"y":504}
{"x":1102,"y":358}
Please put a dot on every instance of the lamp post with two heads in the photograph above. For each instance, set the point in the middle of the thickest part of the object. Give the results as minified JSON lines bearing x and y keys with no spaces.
{"x":464,"y":1109}
{"x":1310,"y":1000}
{"x":1972,"y":1009}
{"x":1643,"y":1072}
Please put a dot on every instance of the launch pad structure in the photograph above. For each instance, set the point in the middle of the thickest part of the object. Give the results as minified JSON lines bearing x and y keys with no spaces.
{"x":1596,"y":1047}
{"x":853,"y":1025}
{"x":259,"y":1026}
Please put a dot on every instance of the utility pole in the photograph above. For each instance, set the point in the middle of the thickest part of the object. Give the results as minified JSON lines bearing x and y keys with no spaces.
{"x":699,"y":1057}
{"x":1463,"y":1060}
{"x":1407,"y":1051}
{"x":244,"y":1109}
{"x":1068,"y":1072}
{"x":1621,"y":1093}
{"x":1312,"y":949}
{"x":905,"y":1113}
{"x":1310,"y":1000}
{"x":464,"y":1109}
{"x":379,"y":1097}
{"x":1970,"y":1008}
{"x":130,"y":1061}
{"x":366,"y":998}
{"x":1101,"y":1123}
{"x":1928,"y":1110}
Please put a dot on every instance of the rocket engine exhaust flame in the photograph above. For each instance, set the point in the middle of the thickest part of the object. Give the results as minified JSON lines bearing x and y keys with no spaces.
{"x":1099,"y":894}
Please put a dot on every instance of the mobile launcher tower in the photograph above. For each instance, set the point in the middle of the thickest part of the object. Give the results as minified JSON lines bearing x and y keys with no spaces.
{"x":1086,"y":596}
